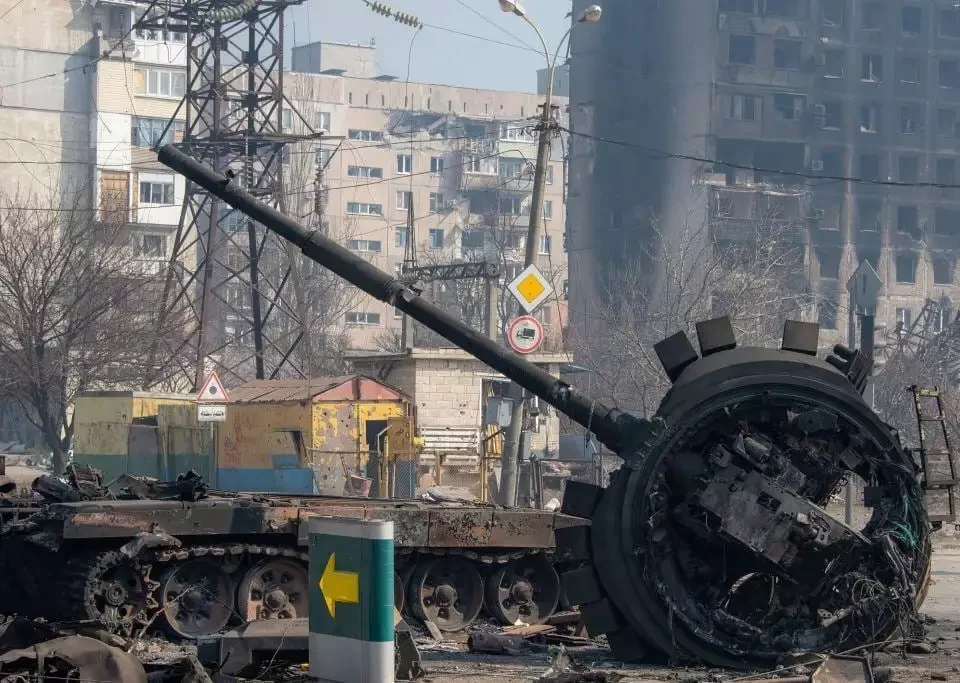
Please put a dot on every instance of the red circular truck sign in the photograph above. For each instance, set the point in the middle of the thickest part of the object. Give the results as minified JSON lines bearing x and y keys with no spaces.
{"x":525,"y":334}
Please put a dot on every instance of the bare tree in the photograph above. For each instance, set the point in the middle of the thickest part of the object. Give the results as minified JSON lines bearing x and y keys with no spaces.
{"x":77,"y":310}
{"x":923,"y":357}
{"x":756,"y":280}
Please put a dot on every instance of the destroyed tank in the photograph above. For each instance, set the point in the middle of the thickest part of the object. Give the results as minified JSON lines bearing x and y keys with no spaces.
{"x":194,"y":562}
{"x":712,"y":542}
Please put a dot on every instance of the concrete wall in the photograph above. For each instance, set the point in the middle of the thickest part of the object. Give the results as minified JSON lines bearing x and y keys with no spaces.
{"x":446,"y":386}
{"x":106,"y":435}
{"x":256,"y":450}
{"x":43,"y":118}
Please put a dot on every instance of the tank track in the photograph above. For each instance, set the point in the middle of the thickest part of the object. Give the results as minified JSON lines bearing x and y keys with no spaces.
{"x":90,"y":584}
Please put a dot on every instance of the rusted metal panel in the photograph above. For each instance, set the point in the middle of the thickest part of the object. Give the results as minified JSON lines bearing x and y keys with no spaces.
{"x":205,"y":518}
{"x":492,"y":528}
{"x":521,"y":529}
{"x":410,"y":526}
{"x":460,"y":528}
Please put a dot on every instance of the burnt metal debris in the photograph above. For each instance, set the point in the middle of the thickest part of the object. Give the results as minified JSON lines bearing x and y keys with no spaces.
{"x":139,"y":555}
{"x":711,"y":543}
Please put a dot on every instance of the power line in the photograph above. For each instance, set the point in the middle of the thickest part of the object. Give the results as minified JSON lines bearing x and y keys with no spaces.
{"x":81,"y":67}
{"x":658,"y":153}
{"x":15,"y":6}
{"x":496,"y":25}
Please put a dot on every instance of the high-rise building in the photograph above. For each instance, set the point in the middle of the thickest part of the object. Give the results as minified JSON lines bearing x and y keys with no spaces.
{"x":462,"y":158}
{"x":723,"y":107}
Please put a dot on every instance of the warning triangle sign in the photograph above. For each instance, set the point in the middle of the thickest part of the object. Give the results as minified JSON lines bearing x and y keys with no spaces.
{"x":212,"y":390}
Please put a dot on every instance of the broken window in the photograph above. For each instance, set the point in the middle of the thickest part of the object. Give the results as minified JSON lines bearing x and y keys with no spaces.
{"x":909,"y":168}
{"x":743,"y":50}
{"x":829,"y":263}
{"x":832,"y":158}
{"x":870,"y":118}
{"x":472,"y":239}
{"x":911,"y":20}
{"x":908,"y":221}
{"x":903,"y":318}
{"x":833,"y":115}
{"x":941,"y":318}
{"x":950,"y":22}
{"x":788,"y":107}
{"x":909,"y":70}
{"x":946,"y":170}
{"x":786,"y":54}
{"x":743,"y":107}
{"x":906,"y":267}
{"x":868,"y":215}
{"x":870,"y":166}
{"x":744,"y":6}
{"x":872,"y":16}
{"x":872,"y":68}
{"x":949,"y":74}
{"x":909,"y":119}
{"x":946,"y":221}
{"x":947,"y":122}
{"x":401,"y":236}
{"x":828,"y":216}
{"x":832,"y":12}
{"x":784,"y":8}
{"x":827,"y":317}
{"x":151,"y":246}
{"x":833,"y":63}
{"x":942,"y":271}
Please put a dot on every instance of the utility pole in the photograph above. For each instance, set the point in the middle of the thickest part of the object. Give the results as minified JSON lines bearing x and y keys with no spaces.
{"x":510,"y":463}
{"x":864,"y":287}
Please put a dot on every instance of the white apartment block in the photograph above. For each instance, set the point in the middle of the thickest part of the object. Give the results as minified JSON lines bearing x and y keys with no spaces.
{"x":462,"y":158}
{"x":86,"y":134}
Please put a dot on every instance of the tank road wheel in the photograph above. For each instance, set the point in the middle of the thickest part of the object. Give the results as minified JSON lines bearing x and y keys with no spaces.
{"x":119,"y":598}
{"x":448,"y":592}
{"x":274,"y":589}
{"x":196,"y":598}
{"x":524,"y":590}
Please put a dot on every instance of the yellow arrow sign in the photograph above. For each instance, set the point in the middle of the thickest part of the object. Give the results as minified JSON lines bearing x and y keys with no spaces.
{"x":338,"y":586}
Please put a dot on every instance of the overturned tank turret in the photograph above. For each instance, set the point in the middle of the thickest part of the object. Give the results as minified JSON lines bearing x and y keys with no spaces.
{"x":713,"y":542}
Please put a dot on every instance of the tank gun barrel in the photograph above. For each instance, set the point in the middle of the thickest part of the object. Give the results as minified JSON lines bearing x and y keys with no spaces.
{"x":608,"y":424}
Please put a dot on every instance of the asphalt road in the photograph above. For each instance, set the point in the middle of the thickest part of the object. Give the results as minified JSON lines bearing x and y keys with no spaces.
{"x":942,"y":606}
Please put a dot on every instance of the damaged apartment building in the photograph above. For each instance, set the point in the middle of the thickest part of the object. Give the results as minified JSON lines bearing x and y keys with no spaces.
{"x":460,"y":161}
{"x":737,"y":111}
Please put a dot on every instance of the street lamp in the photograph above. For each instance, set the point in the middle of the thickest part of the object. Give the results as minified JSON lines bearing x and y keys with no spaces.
{"x":511,"y":449}
{"x":511,"y":6}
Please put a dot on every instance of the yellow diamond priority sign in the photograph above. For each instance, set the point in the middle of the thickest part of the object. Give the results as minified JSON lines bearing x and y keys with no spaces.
{"x":530,"y":288}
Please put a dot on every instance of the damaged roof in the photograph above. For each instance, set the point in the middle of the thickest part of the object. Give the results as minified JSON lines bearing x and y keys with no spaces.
{"x":343,"y":388}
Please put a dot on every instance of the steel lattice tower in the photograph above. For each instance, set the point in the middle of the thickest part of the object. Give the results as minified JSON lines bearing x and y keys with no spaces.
{"x":240,"y":284}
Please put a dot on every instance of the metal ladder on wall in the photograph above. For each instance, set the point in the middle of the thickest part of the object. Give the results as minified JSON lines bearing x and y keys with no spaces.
{"x":935,"y":454}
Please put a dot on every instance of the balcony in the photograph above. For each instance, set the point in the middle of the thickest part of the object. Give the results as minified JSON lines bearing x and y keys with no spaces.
{"x":146,"y":267}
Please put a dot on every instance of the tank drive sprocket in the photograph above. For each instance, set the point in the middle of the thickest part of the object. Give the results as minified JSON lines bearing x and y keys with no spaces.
{"x":712,"y":543}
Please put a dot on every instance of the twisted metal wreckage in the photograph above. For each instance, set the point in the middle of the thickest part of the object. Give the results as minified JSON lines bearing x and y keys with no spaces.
{"x":711,"y":542}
